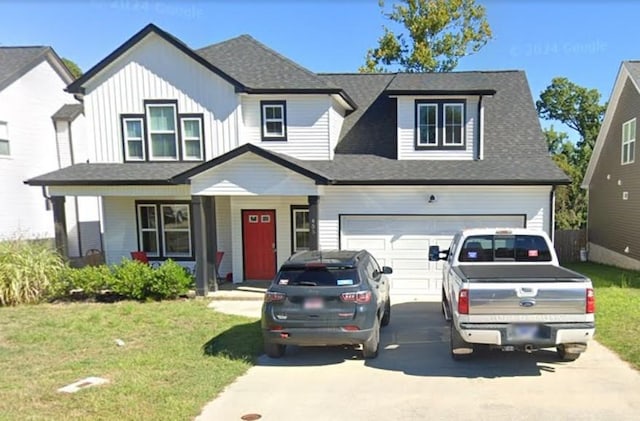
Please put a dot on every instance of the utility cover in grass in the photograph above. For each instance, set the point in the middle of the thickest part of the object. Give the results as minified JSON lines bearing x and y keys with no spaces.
{"x":83,"y":384}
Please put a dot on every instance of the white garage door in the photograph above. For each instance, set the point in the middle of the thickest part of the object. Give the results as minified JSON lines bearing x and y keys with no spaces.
{"x":402,"y":242}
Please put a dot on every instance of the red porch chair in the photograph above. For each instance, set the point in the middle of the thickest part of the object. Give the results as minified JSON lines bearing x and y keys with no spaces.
{"x":140,"y":256}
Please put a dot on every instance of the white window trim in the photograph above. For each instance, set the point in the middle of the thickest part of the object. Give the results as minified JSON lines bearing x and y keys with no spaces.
{"x":427,"y":105}
{"x":6,"y":126}
{"x":185,"y":139}
{"x":444,"y":124}
{"x":165,"y":253}
{"x":134,"y":139}
{"x":152,"y":132}
{"x":627,"y":142}
{"x":266,"y":120}
{"x":141,"y":230}
{"x":297,"y":230}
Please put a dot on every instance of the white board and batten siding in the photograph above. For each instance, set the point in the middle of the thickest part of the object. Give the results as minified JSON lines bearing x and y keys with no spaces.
{"x":308,"y":133}
{"x":155,"y":69}
{"x":26,"y":106}
{"x":407,"y":130}
{"x":252,"y":175}
{"x":398,"y":224}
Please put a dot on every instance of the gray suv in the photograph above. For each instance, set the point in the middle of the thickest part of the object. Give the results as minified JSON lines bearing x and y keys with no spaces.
{"x":324,"y":298}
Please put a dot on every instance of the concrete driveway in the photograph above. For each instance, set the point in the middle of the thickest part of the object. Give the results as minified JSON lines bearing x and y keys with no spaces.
{"x":414,"y":378}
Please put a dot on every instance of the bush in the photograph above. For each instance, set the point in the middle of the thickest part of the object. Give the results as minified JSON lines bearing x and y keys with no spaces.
{"x":90,"y":279}
{"x":28,"y":271}
{"x":170,"y":280}
{"x":132,"y":279}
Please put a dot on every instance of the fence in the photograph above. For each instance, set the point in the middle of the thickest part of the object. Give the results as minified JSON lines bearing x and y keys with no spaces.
{"x":568,"y":244}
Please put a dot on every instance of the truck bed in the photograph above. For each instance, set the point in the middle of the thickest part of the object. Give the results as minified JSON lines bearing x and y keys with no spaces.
{"x":518,"y":273}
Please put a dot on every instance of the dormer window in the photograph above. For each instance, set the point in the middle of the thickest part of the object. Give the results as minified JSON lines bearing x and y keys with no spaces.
{"x":439,"y":124}
{"x":274,"y":121}
{"x":162,"y":134}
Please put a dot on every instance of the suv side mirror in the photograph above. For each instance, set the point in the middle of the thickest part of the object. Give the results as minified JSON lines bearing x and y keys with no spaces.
{"x":387,"y":270}
{"x":434,"y":254}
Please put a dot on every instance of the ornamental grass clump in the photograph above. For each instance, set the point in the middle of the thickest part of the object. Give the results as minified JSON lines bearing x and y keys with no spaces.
{"x":28,"y":269}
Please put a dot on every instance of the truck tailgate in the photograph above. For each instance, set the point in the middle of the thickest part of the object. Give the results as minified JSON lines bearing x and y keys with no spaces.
{"x":524,"y":290}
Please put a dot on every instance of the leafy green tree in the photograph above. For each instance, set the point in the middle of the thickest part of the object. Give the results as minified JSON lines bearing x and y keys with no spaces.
{"x":578,"y":108}
{"x":73,"y":68}
{"x":440,"y":33}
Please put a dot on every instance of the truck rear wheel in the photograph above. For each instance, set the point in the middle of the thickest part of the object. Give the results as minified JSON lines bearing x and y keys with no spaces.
{"x":460,"y":349}
{"x":566,"y":356}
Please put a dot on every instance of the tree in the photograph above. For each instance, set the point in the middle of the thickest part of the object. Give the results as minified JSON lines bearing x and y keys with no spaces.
{"x":440,"y":32}
{"x":73,"y":68}
{"x":578,"y":108}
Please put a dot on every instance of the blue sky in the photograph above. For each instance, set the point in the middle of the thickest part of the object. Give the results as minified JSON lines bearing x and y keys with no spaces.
{"x":582,"y":40}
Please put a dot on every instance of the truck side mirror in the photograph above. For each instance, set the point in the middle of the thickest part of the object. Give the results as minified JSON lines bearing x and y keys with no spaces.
{"x":434,"y":254}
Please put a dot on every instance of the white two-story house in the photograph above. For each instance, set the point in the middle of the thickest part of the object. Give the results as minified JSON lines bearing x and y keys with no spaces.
{"x":38,"y":121}
{"x":235,"y":148}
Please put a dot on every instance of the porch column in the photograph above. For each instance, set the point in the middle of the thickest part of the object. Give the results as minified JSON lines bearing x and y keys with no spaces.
{"x":60,"y":226}
{"x":313,"y":222}
{"x":200,"y":234}
{"x":209,"y":203}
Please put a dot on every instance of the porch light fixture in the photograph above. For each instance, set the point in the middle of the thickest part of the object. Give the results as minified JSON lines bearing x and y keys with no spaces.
{"x":432,"y":198}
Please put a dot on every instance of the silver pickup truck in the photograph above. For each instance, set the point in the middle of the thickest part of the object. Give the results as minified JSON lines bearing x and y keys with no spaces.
{"x":504,"y":288}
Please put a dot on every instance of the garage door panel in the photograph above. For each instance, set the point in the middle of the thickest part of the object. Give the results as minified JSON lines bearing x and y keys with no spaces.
{"x":402,"y":242}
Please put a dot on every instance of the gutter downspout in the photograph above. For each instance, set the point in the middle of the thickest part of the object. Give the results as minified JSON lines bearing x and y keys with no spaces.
{"x":552,"y":213}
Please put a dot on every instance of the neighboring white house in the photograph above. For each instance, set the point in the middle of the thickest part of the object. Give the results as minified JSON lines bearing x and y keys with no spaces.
{"x":41,"y":128}
{"x":235,"y":148}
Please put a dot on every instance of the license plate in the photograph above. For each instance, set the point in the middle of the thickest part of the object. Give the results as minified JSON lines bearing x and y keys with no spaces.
{"x":524,"y":332}
{"x":313,"y":303}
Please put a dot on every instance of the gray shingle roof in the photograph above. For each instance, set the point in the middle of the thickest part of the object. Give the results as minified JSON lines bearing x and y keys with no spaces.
{"x":371,"y":129}
{"x":437,"y":81}
{"x":633,"y":66}
{"x":68,"y":112}
{"x":16,"y":61}
{"x":257,"y":66}
{"x":151,"y":173}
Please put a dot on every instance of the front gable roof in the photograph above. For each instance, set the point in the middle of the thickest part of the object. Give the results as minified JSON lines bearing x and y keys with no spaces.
{"x":296,"y":165}
{"x":629,"y":70}
{"x":17,"y":61}
{"x":78,"y":85}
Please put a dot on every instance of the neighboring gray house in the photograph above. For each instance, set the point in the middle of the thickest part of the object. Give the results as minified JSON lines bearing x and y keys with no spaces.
{"x":613,"y":177}
{"x":235,"y":148}
{"x":38,"y":122}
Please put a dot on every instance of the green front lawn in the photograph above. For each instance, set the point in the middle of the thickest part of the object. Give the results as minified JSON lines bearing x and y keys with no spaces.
{"x":617,"y":308}
{"x":177,"y":356}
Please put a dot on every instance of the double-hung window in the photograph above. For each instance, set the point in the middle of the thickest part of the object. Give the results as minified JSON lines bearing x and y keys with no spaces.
{"x":148,"y":230}
{"x":163,"y":137}
{"x":629,"y":142}
{"x":191,"y":138}
{"x":427,"y":124}
{"x":4,"y":139}
{"x":300,"y":228}
{"x":164,"y":229}
{"x":439,"y":124}
{"x":162,"y":133}
{"x":453,"y":124}
{"x":274,"y":120}
{"x":133,"y":132}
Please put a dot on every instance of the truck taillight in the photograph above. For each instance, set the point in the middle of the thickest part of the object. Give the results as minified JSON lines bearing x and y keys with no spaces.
{"x":360,"y":297}
{"x":272,"y":297}
{"x":463,"y":301}
{"x":591,"y":301}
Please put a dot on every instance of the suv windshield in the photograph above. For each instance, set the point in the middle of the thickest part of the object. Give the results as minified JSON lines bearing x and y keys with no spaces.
{"x":321,"y":276}
{"x":519,"y":248}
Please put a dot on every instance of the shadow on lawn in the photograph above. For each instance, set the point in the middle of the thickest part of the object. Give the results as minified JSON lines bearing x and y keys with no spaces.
{"x":241,"y":342}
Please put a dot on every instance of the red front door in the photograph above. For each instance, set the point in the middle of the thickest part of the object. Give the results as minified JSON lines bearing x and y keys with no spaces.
{"x":259,"y":243}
